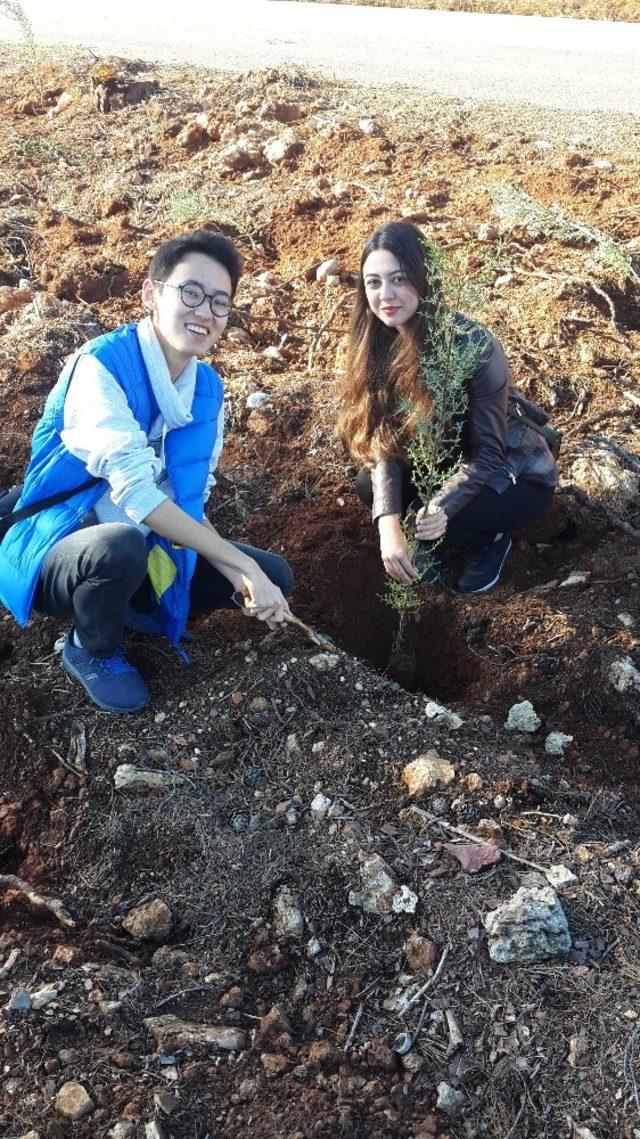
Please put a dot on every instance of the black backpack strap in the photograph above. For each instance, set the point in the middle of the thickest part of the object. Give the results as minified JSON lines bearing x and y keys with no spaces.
{"x":35,"y":507}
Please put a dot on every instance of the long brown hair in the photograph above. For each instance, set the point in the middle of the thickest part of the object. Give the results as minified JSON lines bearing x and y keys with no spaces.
{"x":382,"y":367}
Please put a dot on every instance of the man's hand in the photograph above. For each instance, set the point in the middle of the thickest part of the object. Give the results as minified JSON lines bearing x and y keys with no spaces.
{"x":431,"y":523}
{"x":262,"y":599}
{"x":394,"y":550}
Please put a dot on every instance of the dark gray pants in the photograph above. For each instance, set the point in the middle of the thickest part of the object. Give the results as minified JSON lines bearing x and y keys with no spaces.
{"x":93,"y":575}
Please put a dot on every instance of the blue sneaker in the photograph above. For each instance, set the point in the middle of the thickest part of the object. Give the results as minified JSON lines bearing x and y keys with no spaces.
{"x":111,"y":682}
{"x":482,"y":570}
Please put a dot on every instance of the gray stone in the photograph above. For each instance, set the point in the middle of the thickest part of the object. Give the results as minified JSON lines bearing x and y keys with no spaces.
{"x":288,"y":921}
{"x":379,"y":886}
{"x":122,"y":1131}
{"x":530,"y":926}
{"x":522,"y":718}
{"x":556,"y":742}
{"x":20,"y":1001}
{"x":323,"y":662}
{"x":624,"y":676}
{"x":73,"y":1101}
{"x":257,"y":399}
{"x":560,"y":877}
{"x":43,"y":997}
{"x":450,"y":1100}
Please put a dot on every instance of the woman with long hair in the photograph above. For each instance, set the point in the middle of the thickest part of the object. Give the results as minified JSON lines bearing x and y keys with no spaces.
{"x":405,"y":351}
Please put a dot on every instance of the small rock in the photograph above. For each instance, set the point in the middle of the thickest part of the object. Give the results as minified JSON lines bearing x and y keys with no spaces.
{"x":274,"y":1064}
{"x":450,"y":1100}
{"x":556,"y":742}
{"x":421,"y":953}
{"x":603,"y":164}
{"x":578,"y":577}
{"x":171,"y":1034}
{"x":43,"y":997}
{"x":166,"y":1101}
{"x":129,"y":777}
{"x":151,"y":922}
{"x":276,"y":150}
{"x":153,"y":1130}
{"x":292,"y":744}
{"x":257,"y":399}
{"x":319,"y":807}
{"x":530,"y":926}
{"x":73,"y":1101}
{"x":626,"y":619}
{"x":379,"y":886}
{"x":20,"y":1001}
{"x":522,"y":718}
{"x":426,"y":772}
{"x":287,"y":916}
{"x":560,"y":876}
{"x":314,"y":948}
{"x":440,"y":715}
{"x":487,"y":232}
{"x":624,"y":676}
{"x":193,"y":137}
{"x":323,"y":662}
{"x":405,"y":901}
{"x":370,"y":127}
{"x":328,"y":269}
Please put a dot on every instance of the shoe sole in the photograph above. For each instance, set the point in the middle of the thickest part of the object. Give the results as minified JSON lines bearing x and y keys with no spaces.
{"x":490,"y":584}
{"x":99,"y":703}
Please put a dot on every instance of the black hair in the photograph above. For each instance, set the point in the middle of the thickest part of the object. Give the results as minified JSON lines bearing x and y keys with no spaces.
{"x":213,"y":245}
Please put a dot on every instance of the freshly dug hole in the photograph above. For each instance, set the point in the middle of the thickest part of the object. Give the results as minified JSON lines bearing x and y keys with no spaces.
{"x":340,"y":584}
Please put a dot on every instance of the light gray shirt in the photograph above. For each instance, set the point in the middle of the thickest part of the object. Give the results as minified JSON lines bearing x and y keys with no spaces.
{"x":100,"y":428}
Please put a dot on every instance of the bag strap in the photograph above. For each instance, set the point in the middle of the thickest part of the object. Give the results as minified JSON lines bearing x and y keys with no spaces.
{"x":42,"y":504}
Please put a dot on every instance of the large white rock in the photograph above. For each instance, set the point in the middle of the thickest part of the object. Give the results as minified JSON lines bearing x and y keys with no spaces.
{"x":530,"y":926}
{"x":522,"y":718}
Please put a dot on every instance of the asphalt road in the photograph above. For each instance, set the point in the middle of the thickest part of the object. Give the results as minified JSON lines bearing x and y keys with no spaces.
{"x":569,"y":65}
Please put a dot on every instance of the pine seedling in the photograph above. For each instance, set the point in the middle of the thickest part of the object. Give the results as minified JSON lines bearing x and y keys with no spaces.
{"x":447,"y":361}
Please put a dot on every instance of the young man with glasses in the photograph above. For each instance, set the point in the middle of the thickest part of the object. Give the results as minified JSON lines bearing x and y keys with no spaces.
{"x":139,"y":412}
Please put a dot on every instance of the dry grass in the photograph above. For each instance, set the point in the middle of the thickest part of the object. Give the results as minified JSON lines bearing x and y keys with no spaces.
{"x":573,"y":9}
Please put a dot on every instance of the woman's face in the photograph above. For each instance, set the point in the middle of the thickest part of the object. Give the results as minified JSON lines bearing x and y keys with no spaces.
{"x":391,"y":296}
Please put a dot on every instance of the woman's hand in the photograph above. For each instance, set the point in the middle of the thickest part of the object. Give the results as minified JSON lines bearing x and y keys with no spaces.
{"x":431,"y":523}
{"x":263,"y":599}
{"x":394,"y":550}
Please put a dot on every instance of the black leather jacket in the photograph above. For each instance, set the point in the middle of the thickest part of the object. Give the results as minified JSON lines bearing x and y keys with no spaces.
{"x":496,"y":443}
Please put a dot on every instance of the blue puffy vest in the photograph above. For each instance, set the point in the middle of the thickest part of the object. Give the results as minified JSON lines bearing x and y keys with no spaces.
{"x":53,"y":468}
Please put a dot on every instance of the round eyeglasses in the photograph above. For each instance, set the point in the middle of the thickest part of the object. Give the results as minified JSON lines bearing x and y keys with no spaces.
{"x":192,"y":295}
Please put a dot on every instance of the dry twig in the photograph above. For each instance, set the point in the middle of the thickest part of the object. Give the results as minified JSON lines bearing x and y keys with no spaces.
{"x":477,"y":841}
{"x":323,"y":327}
{"x":428,"y":984}
{"x":354,"y":1027}
{"x":12,"y":882}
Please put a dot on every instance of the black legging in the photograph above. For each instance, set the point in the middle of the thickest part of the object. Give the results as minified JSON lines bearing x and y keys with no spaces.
{"x":487,"y":514}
